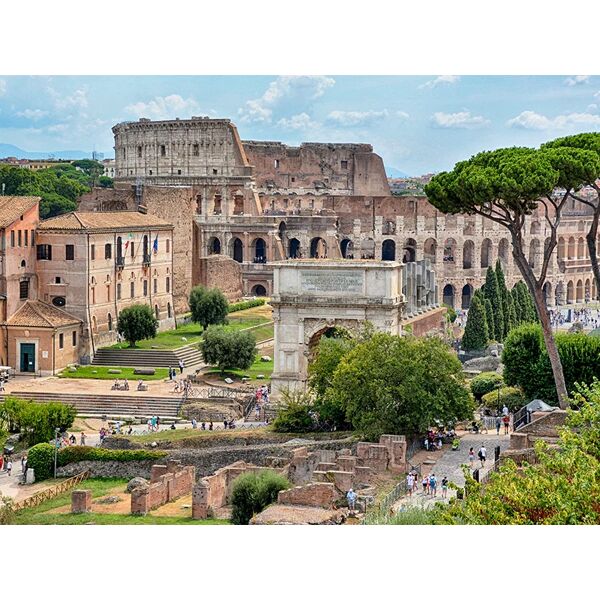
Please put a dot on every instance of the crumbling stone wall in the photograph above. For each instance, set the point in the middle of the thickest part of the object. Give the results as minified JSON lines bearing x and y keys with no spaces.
{"x":221,"y":272}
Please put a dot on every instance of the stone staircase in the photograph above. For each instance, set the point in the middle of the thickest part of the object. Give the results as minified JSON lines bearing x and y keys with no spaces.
{"x":112,"y":406}
{"x":108,"y":357}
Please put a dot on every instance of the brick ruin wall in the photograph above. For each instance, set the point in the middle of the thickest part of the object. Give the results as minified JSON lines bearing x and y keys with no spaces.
{"x":221,"y":272}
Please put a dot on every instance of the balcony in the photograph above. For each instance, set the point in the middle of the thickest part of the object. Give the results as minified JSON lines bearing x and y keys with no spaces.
{"x":146,"y":260}
{"x":120,"y":262}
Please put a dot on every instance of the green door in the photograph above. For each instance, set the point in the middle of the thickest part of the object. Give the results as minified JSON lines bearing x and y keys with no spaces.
{"x":27,"y":358}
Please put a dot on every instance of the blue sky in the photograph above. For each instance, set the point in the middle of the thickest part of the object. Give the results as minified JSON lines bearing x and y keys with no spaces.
{"x":418,"y":124}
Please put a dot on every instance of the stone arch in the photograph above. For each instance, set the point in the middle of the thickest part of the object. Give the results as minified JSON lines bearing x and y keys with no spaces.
{"x":430,"y":249}
{"x":237,"y":249}
{"x":259,"y":290}
{"x":318,"y":248}
{"x":282,"y":229}
{"x":467,"y":294}
{"x":388,"y":250}
{"x":214,"y":245}
{"x":448,"y":295}
{"x":570,"y":293}
{"x":23,"y":264}
{"x":580,"y":248}
{"x":571,"y":251}
{"x":409,"y":253}
{"x":294,"y":249}
{"x":486,"y":253}
{"x":587,"y":292}
{"x":579,"y":291}
{"x":449,"y":250}
{"x":259,"y":250}
{"x":347,"y":248}
{"x":468,"y":252}
{"x":559,"y":293}
{"x":547,"y":291}
{"x":561,"y":248}
{"x":534,"y":251}
{"x":503,"y":251}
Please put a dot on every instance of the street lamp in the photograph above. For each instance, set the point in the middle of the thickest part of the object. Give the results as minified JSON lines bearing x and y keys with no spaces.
{"x":56,"y":432}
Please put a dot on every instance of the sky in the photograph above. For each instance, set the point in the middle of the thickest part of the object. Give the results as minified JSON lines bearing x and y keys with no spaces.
{"x":418,"y":124}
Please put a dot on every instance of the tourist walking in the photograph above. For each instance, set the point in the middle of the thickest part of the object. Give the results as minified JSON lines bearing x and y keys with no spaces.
{"x":410,"y":482}
{"x":498,"y":423}
{"x":444,"y":487}
{"x":471,"y":457}
{"x":181,"y":366}
{"x":9,"y":466}
{"x":505,"y":411}
{"x":433,"y":484}
{"x":482,"y":455}
{"x":82,"y":439}
{"x":351,"y":498}
{"x":506,"y":419}
{"x":425,"y":484}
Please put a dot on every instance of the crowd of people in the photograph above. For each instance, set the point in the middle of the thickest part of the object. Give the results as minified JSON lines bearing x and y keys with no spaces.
{"x":588,"y":317}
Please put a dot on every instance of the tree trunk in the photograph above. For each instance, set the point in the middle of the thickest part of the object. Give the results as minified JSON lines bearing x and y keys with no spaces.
{"x":536,"y":289}
{"x":591,"y":243}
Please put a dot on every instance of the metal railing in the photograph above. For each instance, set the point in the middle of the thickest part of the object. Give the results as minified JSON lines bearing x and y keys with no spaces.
{"x":521,"y":417}
{"x":48,"y":494}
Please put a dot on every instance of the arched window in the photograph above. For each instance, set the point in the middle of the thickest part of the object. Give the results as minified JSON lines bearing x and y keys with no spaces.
{"x":107,"y":251}
{"x":571,"y":248}
{"x":294,"y":248}
{"x":409,"y":253}
{"x":486,"y":253}
{"x":347,"y":248}
{"x":238,"y":250}
{"x":259,"y":290}
{"x":318,"y":248}
{"x":449,"y":295}
{"x":468,"y":251}
{"x":570,"y":293}
{"x":118,"y":291}
{"x":503,"y":251}
{"x":561,"y":248}
{"x":534,"y":252}
{"x":580,"y":248}
{"x":449,"y":250}
{"x":579,"y":291}
{"x":430,"y":249}
{"x":260,"y":250}
{"x":110,"y":323}
{"x":168,"y":285}
{"x":388,"y":250}
{"x":467,"y":293}
{"x":145,"y":246}
{"x":214,"y":245}
{"x":119,"y":248}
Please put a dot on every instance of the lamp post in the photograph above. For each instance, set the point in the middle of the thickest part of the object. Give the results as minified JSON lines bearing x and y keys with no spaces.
{"x":56,"y":432}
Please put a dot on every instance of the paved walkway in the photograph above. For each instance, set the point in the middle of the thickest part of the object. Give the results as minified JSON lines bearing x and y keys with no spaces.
{"x":448,"y":463}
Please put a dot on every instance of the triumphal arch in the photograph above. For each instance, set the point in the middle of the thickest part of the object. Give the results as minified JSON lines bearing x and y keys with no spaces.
{"x":312,"y":297}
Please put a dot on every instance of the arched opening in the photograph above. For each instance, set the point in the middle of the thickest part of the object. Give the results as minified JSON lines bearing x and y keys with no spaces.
{"x":448,"y":295}
{"x":468,"y":251}
{"x":535,"y":228}
{"x":318,"y":248}
{"x":486,"y":253}
{"x":547,"y":291}
{"x":570,"y":293}
{"x":238,"y":203}
{"x":409,"y":252}
{"x":347,"y":248}
{"x":579,"y":291}
{"x":282,"y":229}
{"x":559,"y":294}
{"x":580,"y":248}
{"x":449,"y":250}
{"x":467,"y":293}
{"x":534,"y":250}
{"x":430,"y":249}
{"x":260,"y":250}
{"x":561,"y":248}
{"x":571,"y":248}
{"x":214,"y":245}
{"x":23,"y":264}
{"x":169,"y":310}
{"x":587,"y":293}
{"x":294,"y":248}
{"x":259,"y":290}
{"x":388,"y":250}
{"x":109,"y":321}
{"x":217,"y":204}
{"x":503,"y":251}
{"x":238,"y":250}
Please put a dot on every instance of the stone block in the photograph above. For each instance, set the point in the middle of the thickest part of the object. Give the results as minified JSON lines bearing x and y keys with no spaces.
{"x":173,"y":465}
{"x":346,"y":463}
{"x":312,"y":494}
{"x":81,"y":501}
{"x":156,"y":472}
{"x":326,"y":466}
{"x":363,"y":475}
{"x":200,"y":495}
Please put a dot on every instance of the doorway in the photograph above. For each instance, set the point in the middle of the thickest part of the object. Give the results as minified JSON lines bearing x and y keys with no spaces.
{"x":27,"y":358}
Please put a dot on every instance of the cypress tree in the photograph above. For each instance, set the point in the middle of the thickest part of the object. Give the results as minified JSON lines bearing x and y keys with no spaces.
{"x":504,"y":296}
{"x":512,"y":317}
{"x":476,"y":331}
{"x":492,"y":293}
{"x":489,"y":317}
{"x":518,"y":307}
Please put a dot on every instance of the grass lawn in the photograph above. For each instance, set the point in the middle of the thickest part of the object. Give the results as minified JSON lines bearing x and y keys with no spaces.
{"x":92,"y":372}
{"x":258,"y":368}
{"x":99,"y":487}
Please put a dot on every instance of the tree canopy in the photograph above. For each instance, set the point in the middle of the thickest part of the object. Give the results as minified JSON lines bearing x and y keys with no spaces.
{"x":208,"y":306}
{"x":228,"y":349}
{"x":137,"y":322}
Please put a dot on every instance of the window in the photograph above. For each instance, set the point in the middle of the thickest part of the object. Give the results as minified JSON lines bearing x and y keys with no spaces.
{"x":12,"y":239}
{"x":132,"y":289}
{"x":293,"y":179}
{"x":168,"y":243}
{"x":118,"y":291}
{"x":277,"y":163}
{"x":93,"y":252}
{"x":196,"y":150}
{"x":150,"y":172}
{"x":61,"y":340}
{"x":345,"y":164}
{"x":163,"y":151}
{"x":23,"y":264}
{"x":26,"y":237}
{"x":145,"y":287}
{"x":123,"y":153}
{"x":155,"y":286}
{"x":139,"y":152}
{"x":44,"y":252}
{"x":57,"y":280}
{"x":109,"y":322}
{"x":178,"y":171}
{"x":215,"y":172}
{"x":24,"y":289}
{"x":132,"y":252}
{"x":70,"y":252}
{"x":107,"y":251}
{"x":59,"y":301}
{"x":168,"y":285}
{"x":108,"y":292}
{"x":32,"y":237}
{"x":74,"y":338}
{"x":19,"y":232}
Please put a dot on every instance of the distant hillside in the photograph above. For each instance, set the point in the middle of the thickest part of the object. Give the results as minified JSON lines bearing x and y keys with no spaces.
{"x":10,"y":150}
{"x":393,"y":172}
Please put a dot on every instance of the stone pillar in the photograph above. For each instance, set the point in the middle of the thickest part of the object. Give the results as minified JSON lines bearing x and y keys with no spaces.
{"x":200,"y":500}
{"x":81,"y":501}
{"x":173,"y":465}
{"x":157,"y":471}
{"x":139,"y":500}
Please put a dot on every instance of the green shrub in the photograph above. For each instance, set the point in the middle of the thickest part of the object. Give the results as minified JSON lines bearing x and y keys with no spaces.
{"x":253,"y":492}
{"x":450,"y":313}
{"x":72,"y":454}
{"x":40,"y":458}
{"x":228,"y":349}
{"x":513,"y":397}
{"x":246,"y":304}
{"x":484,"y":383}
{"x":295,"y":413}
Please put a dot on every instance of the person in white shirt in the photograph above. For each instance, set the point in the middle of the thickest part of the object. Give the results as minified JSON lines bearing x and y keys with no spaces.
{"x":410,"y":482}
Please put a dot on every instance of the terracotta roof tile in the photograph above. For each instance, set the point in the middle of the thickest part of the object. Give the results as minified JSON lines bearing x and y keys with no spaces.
{"x":119,"y":219}
{"x":39,"y":314}
{"x":12,"y":207}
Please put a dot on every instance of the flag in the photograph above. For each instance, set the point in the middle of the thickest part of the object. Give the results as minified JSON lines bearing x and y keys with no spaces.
{"x":155,"y":244}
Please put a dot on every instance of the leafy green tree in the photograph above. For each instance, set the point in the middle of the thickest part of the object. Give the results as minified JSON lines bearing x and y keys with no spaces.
{"x":505,"y":186}
{"x":512,"y":397}
{"x":253,"y":492}
{"x":491,"y":291}
{"x":40,"y":458}
{"x":105,"y":182}
{"x":137,"y":322}
{"x":391,"y":384}
{"x":208,"y":306}
{"x":228,"y":349}
{"x":476,"y":331}
{"x":484,"y":383}
{"x":505,"y":299}
{"x":294,"y":414}
{"x":489,"y":317}
{"x":92,"y":168}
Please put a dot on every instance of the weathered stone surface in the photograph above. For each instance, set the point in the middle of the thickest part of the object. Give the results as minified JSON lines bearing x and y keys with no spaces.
{"x":312,"y":494}
{"x":108,"y":468}
{"x":136,"y":482}
{"x":484,"y":363}
{"x":81,"y":501}
{"x":281,"y":514}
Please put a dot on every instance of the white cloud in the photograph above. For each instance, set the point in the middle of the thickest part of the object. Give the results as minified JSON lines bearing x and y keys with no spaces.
{"x":297,"y":122}
{"x":442,"y":79}
{"x":577,"y":80}
{"x":165,"y":107}
{"x":529,"y":119}
{"x":592,"y":107}
{"x":348,"y":118}
{"x":286,"y":90}
{"x":402,"y":115}
{"x":458,"y":120}
{"x":34,"y":114}
{"x":2,"y":87}
{"x":78,"y":99}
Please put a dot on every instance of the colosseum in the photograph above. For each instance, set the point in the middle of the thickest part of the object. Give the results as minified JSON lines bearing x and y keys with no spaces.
{"x":237,"y":206}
